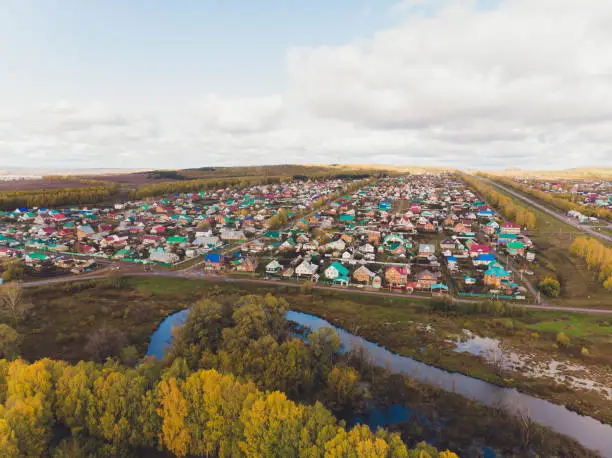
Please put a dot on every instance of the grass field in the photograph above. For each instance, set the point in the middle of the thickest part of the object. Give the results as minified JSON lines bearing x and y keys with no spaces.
{"x":575,"y":325}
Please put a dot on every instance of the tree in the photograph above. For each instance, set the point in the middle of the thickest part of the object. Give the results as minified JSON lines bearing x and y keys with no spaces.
{"x":9,"y":342}
{"x":174,"y":435}
{"x":324,"y":345}
{"x":342,"y":388}
{"x":12,"y":303}
{"x":204,"y":325}
{"x":272,"y":427}
{"x":550,"y":286}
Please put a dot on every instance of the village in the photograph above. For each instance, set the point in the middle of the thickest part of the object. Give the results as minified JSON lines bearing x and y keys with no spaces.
{"x":417,"y":234}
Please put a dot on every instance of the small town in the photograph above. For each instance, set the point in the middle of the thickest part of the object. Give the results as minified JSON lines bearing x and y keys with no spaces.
{"x":306,"y":229}
{"x":416,"y":234}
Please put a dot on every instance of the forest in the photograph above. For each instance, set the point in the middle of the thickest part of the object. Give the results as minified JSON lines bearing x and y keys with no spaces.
{"x":508,"y":207}
{"x":238,"y":381}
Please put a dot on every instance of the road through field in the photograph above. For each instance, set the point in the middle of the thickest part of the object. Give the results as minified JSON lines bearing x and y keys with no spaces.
{"x":194,"y":274}
{"x":570,"y":221}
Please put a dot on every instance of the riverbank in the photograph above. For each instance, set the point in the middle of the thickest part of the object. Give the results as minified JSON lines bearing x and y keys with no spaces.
{"x":66,"y":315}
{"x":479,"y":419}
{"x":413,"y":331}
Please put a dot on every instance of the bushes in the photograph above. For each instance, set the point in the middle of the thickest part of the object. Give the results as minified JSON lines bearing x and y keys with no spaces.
{"x":550,"y":287}
{"x":493,"y":308}
{"x":306,"y":287}
{"x":563,"y":340}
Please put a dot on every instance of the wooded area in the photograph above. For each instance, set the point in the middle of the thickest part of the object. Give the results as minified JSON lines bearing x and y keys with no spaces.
{"x":218,"y":392}
{"x":92,"y":191}
{"x":597,"y":256}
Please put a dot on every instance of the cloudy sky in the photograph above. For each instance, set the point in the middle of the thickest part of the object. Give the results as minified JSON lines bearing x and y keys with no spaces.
{"x":153,"y":83}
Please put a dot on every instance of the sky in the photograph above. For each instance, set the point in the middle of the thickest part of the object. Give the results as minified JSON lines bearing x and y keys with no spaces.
{"x":483,"y":84}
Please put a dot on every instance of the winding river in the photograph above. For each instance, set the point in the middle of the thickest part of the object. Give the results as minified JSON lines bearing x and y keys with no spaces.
{"x":590,"y":432}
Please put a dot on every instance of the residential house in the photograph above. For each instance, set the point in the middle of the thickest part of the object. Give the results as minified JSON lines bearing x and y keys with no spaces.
{"x":337,"y":273}
{"x":483,"y":259}
{"x":495,"y":275}
{"x":515,"y":248}
{"x":306,"y":269}
{"x":163,"y":255}
{"x":248,"y":264}
{"x":214,"y":261}
{"x":274,"y":267}
{"x":510,"y":228}
{"x":85,"y":231}
{"x":426,"y":250}
{"x":425,"y":279}
{"x":363,"y":275}
{"x":397,"y":276}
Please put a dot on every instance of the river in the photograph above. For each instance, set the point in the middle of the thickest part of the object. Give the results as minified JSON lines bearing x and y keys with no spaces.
{"x":590,"y":432}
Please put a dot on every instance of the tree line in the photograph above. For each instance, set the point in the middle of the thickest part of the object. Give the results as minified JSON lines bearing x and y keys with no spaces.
{"x":508,"y":207}
{"x":597,"y":256}
{"x":9,"y":200}
{"x":217,"y":393}
{"x":186,"y":186}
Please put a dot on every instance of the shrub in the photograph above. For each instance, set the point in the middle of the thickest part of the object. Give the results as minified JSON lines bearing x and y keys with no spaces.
{"x":563,"y":340}
{"x":306,"y":287}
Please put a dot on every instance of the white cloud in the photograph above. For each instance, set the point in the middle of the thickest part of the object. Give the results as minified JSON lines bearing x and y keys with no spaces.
{"x":524,"y":84}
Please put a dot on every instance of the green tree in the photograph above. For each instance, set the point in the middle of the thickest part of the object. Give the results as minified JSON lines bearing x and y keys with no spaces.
{"x":550,"y":286}
{"x":324,"y":345}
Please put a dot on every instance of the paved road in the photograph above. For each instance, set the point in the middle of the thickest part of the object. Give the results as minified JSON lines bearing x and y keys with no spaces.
{"x":228,"y":279}
{"x":570,"y":221}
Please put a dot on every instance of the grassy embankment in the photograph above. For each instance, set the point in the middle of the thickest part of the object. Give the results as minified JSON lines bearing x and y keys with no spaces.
{"x":553,"y":238}
{"x":66,"y":315}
